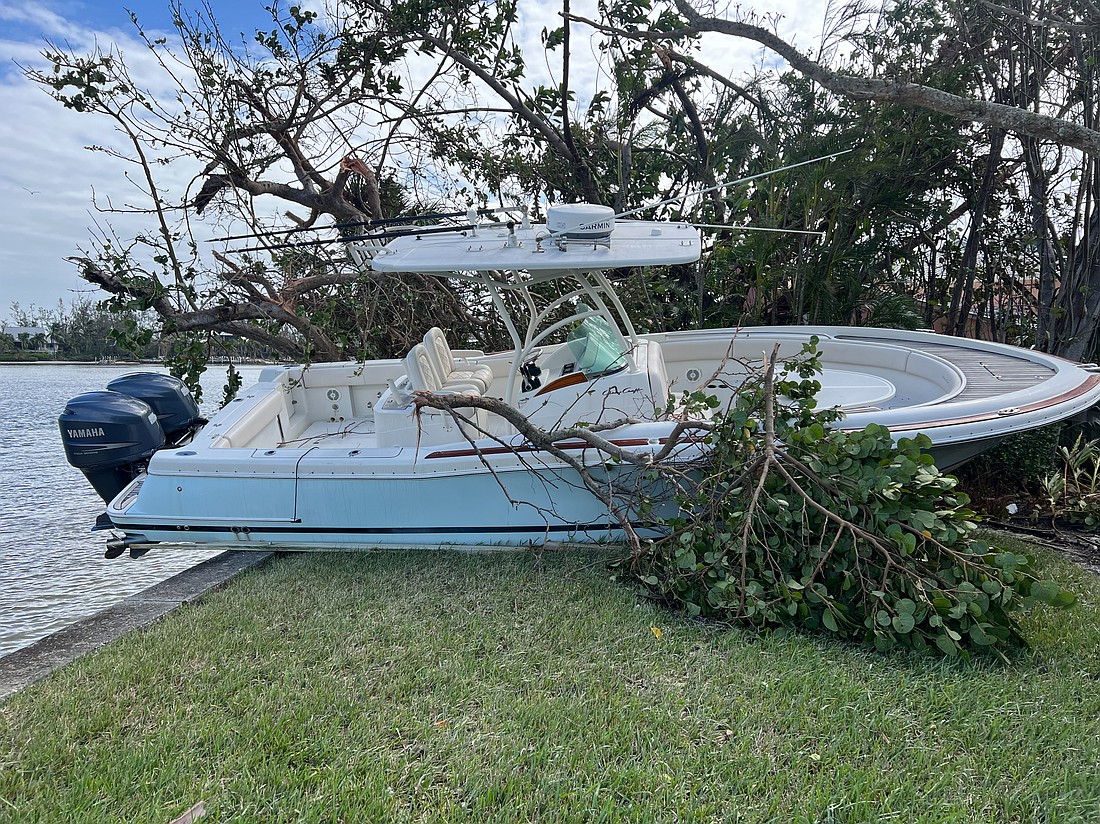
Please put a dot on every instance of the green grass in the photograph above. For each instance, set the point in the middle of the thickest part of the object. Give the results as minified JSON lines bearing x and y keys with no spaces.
{"x":446,"y":687}
{"x":20,"y":356}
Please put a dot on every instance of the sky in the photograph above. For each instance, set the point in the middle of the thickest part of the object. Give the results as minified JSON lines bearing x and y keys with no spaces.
{"x":49,"y":179}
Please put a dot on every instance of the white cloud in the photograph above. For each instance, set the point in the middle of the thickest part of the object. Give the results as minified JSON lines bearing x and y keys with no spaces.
{"x":37,"y":17}
{"x":47,"y":174}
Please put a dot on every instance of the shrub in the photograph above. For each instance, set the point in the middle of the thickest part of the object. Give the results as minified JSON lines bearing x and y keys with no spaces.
{"x":792,"y":523}
{"x":1073,"y":492}
{"x":1020,"y":461}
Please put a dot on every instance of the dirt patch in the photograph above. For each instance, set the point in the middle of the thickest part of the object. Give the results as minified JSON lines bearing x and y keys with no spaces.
{"x":1080,"y":546}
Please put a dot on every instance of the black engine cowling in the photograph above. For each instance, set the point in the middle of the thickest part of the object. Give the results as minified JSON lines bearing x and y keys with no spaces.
{"x":109,"y":436}
{"x":170,"y":398}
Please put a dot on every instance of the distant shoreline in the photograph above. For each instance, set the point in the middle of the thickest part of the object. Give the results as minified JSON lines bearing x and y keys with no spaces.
{"x":120,"y":363}
{"x":77,"y":363}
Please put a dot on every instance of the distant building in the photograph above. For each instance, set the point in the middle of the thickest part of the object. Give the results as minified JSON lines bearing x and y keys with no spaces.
{"x":32,"y":338}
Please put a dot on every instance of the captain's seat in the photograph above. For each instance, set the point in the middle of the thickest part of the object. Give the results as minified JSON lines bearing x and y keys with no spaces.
{"x":422,"y":376}
{"x":450,"y":372}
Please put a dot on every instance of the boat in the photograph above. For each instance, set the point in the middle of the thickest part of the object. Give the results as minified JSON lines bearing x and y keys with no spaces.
{"x":341,"y":455}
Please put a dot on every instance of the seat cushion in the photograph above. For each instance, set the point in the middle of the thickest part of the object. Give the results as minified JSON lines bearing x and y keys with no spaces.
{"x":421,"y":372}
{"x":481,"y":376}
{"x":451,"y":371}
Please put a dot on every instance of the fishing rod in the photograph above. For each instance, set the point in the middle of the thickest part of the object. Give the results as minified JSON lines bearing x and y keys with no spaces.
{"x":416,"y":231}
{"x":385,"y":221}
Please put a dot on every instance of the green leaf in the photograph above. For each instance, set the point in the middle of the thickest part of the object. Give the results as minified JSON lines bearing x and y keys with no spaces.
{"x":1064,"y":599}
{"x":947,"y":646}
{"x":686,"y":560}
{"x":904,"y":623}
{"x":883,"y":643}
{"x":978,"y":636}
{"x":1045,"y":591}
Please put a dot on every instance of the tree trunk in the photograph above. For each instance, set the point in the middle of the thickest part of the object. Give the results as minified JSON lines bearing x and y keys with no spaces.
{"x":962,"y":295}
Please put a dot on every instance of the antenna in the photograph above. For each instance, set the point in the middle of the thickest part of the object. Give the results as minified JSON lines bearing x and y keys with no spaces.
{"x":727,"y":184}
{"x":733,"y":228}
{"x":472,"y":214}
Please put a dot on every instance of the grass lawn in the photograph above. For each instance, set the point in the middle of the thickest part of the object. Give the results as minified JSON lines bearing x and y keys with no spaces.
{"x":446,"y":687}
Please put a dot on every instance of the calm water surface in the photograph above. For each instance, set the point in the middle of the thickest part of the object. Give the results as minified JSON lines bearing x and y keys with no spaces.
{"x":52,"y":569}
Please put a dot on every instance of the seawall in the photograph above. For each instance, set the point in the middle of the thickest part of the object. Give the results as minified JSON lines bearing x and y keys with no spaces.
{"x":23,"y":667}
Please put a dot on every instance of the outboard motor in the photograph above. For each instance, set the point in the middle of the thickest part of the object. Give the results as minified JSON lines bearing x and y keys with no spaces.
{"x":109,"y":437}
{"x":170,"y":398}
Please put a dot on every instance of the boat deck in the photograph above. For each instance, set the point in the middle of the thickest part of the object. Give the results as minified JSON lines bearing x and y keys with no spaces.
{"x":350,"y":433}
{"x":988,"y":374}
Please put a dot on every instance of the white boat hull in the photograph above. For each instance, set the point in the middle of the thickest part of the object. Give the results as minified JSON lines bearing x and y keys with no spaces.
{"x":358,"y":512}
{"x":256,"y":478}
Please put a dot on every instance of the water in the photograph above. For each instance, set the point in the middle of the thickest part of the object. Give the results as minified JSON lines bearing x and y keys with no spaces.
{"x":52,"y":569}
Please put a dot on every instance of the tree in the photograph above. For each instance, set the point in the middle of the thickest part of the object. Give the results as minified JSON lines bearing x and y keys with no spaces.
{"x":87,"y":330}
{"x":281,"y":120}
{"x":1017,"y":68}
{"x":287,"y":121}
{"x":1039,"y":125}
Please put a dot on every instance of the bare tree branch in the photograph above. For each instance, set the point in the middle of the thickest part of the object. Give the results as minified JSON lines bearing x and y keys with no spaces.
{"x":1010,"y":118}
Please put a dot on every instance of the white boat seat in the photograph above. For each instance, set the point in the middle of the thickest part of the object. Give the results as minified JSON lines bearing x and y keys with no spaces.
{"x":450,"y":370}
{"x":423,"y":377}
